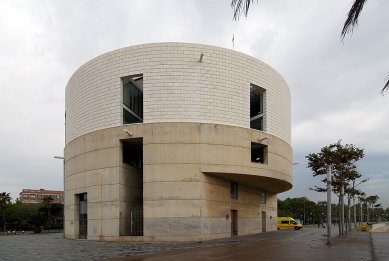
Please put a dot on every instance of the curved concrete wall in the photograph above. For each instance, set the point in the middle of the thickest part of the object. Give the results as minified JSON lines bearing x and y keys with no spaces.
{"x":176,"y":88}
{"x":187,"y":169}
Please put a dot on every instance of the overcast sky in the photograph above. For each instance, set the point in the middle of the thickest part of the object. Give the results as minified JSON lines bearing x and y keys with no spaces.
{"x":335,"y":85}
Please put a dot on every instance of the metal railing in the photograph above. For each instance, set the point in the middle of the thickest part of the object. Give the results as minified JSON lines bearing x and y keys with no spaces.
{"x":136,"y":219}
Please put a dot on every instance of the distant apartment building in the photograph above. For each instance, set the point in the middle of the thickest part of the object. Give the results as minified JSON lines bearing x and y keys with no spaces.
{"x":37,"y":195}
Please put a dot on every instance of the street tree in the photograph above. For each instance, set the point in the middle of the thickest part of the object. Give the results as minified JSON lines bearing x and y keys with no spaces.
{"x":341,"y":159}
{"x":5,"y":199}
{"x":370,"y":202}
{"x":353,"y":192}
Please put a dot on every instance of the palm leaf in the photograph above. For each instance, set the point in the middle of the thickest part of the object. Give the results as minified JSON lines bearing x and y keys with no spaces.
{"x":241,"y":6}
{"x":352,"y":17}
{"x":351,"y":22}
{"x":386,"y":87}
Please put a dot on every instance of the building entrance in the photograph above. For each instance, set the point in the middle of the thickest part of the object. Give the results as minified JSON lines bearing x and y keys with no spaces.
{"x":263,"y":221}
{"x":132,"y":168}
{"x":83,"y":219}
{"x":234,"y":222}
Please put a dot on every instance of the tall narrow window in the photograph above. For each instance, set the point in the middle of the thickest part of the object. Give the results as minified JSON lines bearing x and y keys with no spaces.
{"x":133,"y":99}
{"x":234,"y":190}
{"x":262,"y":195}
{"x":257,"y":98}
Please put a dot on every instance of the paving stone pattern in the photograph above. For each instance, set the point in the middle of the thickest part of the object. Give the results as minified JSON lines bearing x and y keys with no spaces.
{"x":53,"y":246}
{"x":310,"y":241}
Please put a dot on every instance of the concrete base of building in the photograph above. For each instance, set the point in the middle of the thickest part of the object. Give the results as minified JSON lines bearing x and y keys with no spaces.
{"x":182,"y":188}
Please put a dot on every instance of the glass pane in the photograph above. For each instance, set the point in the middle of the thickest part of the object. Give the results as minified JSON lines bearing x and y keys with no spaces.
{"x":128,"y":118}
{"x":257,"y":124}
{"x":133,"y":98}
{"x":234,"y":190}
{"x":256,"y":100}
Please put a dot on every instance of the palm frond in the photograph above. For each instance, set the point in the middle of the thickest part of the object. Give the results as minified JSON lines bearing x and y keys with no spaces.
{"x":352,"y":17}
{"x":241,"y":6}
{"x":386,"y":87}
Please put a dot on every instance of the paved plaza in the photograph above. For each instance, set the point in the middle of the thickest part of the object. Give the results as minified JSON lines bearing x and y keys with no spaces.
{"x":306,"y":244}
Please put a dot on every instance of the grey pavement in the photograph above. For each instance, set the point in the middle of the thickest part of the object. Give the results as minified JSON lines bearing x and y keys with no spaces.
{"x":380,"y":242}
{"x":295,"y":245}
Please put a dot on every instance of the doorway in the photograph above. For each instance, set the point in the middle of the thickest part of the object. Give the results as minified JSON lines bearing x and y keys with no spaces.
{"x":263,"y":221}
{"x":83,"y":226}
{"x":234,"y":222}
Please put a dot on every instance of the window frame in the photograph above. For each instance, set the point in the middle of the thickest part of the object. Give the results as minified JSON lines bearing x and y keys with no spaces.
{"x":262,"y":197}
{"x":255,"y":148}
{"x":134,"y":115}
{"x":234,"y":190}
{"x":261,"y":92}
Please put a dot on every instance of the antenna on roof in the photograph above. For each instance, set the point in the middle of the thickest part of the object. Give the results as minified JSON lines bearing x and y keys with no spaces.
{"x":233,"y":42}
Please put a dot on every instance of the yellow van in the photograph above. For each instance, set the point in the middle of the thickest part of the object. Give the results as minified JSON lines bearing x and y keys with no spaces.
{"x":288,"y":222}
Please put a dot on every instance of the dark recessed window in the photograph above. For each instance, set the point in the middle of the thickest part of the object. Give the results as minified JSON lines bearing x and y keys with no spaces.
{"x":234,"y":190}
{"x":258,"y":153}
{"x":262,"y":195}
{"x":132,"y":99}
{"x":133,"y":152}
{"x":257,"y":123}
{"x":257,"y":99}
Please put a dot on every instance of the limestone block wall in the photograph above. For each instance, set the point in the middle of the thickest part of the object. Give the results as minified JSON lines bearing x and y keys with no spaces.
{"x":176,"y":88}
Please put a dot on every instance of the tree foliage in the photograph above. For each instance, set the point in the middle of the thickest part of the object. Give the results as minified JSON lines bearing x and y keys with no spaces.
{"x":341,"y":159}
{"x":302,"y":208}
{"x":352,"y":17}
{"x":5,"y":199}
{"x":241,"y":6}
{"x":17,"y":216}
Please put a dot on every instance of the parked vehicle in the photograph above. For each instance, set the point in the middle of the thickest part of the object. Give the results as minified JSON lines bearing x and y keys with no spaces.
{"x":288,"y":223}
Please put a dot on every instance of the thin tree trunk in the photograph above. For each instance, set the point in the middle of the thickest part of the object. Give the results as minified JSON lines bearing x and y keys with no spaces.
{"x":360,"y":212}
{"x":5,"y":227}
{"x":367,"y":213}
{"x":342,"y":208}
{"x":339,"y":216}
{"x":355,"y":214}
{"x":349,"y":211}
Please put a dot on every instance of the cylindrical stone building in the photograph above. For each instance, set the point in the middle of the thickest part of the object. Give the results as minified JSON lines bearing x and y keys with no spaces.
{"x":175,"y":142}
